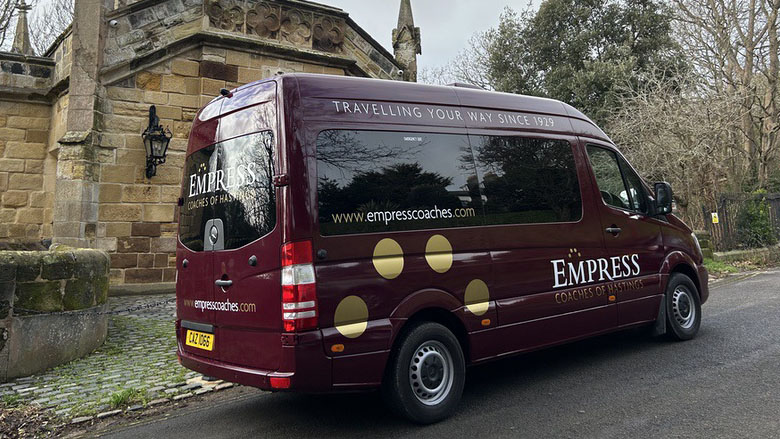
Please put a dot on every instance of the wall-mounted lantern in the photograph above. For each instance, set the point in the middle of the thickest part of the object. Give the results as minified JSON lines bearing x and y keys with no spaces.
{"x":156,"y":139}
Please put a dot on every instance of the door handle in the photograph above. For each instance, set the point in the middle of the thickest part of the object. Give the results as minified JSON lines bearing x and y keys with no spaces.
{"x":223,"y":283}
{"x":614,"y":230}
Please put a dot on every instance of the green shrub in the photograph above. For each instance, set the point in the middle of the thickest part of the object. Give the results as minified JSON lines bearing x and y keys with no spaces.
{"x":754,"y":228}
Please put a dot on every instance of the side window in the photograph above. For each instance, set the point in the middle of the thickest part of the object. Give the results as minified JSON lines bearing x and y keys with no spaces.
{"x":377,"y":181}
{"x":526,"y":180}
{"x":609,"y":171}
{"x":635,"y":188}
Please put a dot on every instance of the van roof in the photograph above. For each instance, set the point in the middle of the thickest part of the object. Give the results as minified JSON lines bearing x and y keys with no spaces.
{"x":318,"y":92}
{"x":320,"y":86}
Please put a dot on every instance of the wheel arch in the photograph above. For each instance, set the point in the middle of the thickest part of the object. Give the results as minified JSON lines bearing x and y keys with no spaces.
{"x":430,"y":305}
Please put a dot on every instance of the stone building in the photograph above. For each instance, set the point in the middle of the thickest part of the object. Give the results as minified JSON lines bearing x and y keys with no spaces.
{"x":72,"y":159}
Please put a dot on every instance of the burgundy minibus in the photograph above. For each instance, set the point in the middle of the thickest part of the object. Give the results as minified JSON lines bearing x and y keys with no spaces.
{"x":341,"y":234}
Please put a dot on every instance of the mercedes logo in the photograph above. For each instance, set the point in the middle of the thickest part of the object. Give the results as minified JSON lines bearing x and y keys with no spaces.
{"x":213,"y":234}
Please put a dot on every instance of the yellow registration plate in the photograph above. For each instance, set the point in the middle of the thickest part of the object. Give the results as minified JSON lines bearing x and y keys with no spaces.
{"x":200,"y":340}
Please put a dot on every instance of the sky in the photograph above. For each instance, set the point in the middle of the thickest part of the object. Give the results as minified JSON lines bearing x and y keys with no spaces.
{"x":445,"y":25}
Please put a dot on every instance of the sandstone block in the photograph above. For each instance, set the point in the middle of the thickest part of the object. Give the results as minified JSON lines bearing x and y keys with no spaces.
{"x":132,"y":245}
{"x":161,"y":260}
{"x":158,"y":213}
{"x":148,"y":81}
{"x":246,"y":75}
{"x":14,"y":198}
{"x":192,"y":86}
{"x":11,"y":165}
{"x":185,"y":67}
{"x":156,"y":97}
{"x":146,"y":260}
{"x":189,"y":101}
{"x":135,"y":109}
{"x":33,"y":166}
{"x":124,"y":260}
{"x":120,"y":212}
{"x":168,"y":112}
{"x":25,"y":182}
{"x":41,"y":199}
{"x":28,"y":123}
{"x":117,"y":174}
{"x":20,"y":150}
{"x":141,"y":194}
{"x":3,"y":181}
{"x":173,"y":84}
{"x":143,"y":275}
{"x":169,"y":275}
{"x":146,"y":229}
{"x":110,"y":193}
{"x":238,"y":58}
{"x":312,"y":68}
{"x":164,"y":245}
{"x":124,"y":94}
{"x":32,"y":215}
{"x":118,"y":229}
{"x":212,"y":87}
{"x":37,"y":136}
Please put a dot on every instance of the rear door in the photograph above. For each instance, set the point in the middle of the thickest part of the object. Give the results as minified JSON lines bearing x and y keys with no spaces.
{"x":633,"y":238}
{"x":246,"y":278}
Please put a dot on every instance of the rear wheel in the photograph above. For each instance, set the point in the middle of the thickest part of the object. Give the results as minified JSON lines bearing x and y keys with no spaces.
{"x":425,"y":374}
{"x":683,"y":307}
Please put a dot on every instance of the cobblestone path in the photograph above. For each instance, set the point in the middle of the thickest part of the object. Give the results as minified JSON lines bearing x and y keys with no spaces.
{"x":136,"y":366}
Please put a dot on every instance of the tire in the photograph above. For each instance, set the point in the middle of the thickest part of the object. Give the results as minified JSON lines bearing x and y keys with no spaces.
{"x":404,"y":389}
{"x":683,"y":308}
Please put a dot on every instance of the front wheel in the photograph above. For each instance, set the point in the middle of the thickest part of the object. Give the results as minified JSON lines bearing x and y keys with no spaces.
{"x":425,"y":374}
{"x":683,"y":307}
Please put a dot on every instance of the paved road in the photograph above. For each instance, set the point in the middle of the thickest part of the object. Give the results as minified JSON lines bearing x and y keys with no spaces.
{"x":724,"y":383}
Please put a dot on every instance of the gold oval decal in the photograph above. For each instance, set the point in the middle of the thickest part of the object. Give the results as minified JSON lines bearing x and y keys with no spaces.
{"x":388,"y":258}
{"x":438,"y":253}
{"x":477,"y":297}
{"x":351,"y":319}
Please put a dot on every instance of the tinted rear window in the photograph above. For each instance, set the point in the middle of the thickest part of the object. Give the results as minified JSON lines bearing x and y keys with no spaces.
{"x":231,"y":181}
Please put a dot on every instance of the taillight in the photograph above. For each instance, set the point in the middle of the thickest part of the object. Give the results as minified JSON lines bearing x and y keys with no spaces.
{"x":299,"y":288}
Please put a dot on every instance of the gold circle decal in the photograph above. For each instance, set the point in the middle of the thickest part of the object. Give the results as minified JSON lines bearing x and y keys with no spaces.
{"x":477,"y":297}
{"x":351,"y":317}
{"x":438,"y":253}
{"x":388,"y":258}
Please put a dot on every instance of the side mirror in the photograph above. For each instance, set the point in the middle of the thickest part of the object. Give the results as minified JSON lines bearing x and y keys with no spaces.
{"x":663,"y":198}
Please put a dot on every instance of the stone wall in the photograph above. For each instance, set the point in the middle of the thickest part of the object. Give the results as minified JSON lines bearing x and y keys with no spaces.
{"x":50,"y":281}
{"x":27,"y":194}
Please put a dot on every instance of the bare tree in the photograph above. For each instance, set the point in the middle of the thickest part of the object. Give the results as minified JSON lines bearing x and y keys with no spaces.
{"x":734,"y":46}
{"x":50,"y":18}
{"x":687,"y":136}
{"x":7,"y":22}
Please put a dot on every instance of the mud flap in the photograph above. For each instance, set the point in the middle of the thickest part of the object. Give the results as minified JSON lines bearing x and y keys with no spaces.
{"x":660,"y":322}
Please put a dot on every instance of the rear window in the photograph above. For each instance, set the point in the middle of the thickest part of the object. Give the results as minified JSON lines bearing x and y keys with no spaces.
{"x":231,"y":181}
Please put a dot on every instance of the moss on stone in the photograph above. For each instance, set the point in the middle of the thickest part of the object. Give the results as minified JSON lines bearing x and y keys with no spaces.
{"x":39,"y":296}
{"x":91,"y":264}
{"x":28,"y":265}
{"x":101,"y":290}
{"x":5,"y":306}
{"x":57,"y":265}
{"x":7,"y":267}
{"x":79,"y":294}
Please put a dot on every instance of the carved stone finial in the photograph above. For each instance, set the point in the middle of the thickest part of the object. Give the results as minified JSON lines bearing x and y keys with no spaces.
{"x":22,"y":35}
{"x":406,"y":41}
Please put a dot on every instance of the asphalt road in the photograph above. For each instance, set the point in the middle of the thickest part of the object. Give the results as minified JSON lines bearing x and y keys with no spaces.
{"x":724,"y":383}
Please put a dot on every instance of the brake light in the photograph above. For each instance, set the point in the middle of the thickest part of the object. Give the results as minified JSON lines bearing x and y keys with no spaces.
{"x":299,"y":288}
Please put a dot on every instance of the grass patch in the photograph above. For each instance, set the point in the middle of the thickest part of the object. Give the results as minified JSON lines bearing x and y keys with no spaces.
{"x":719,"y":267}
{"x":10,"y":401}
{"x":125,"y":397}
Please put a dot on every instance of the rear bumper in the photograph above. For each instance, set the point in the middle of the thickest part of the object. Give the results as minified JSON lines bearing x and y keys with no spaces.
{"x":304,"y":364}
{"x":704,"y":279}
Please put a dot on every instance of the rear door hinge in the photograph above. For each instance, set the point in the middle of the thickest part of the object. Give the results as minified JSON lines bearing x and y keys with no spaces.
{"x":281,"y":180}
